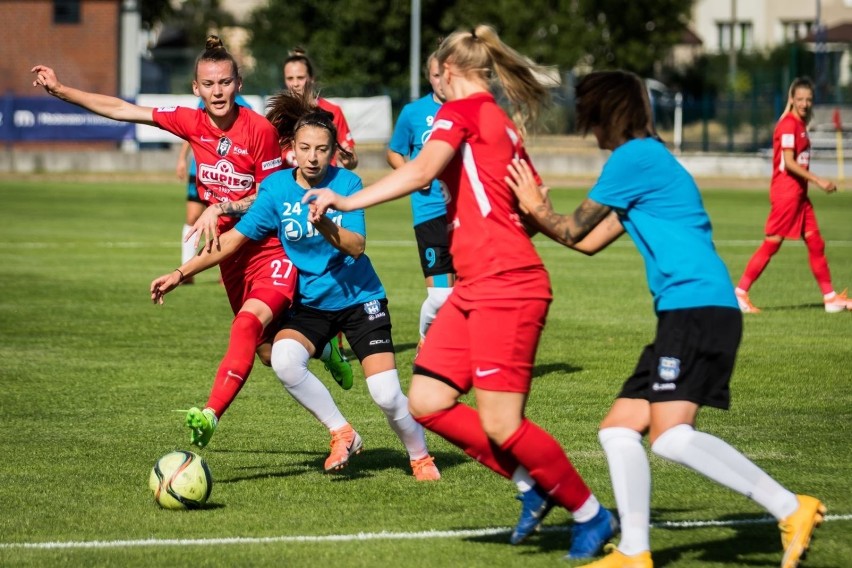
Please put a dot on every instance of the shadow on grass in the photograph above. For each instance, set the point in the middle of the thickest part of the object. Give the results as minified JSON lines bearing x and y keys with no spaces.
{"x":365,"y":464}
{"x":752,"y":538}
{"x":560,"y":368}
{"x":794,"y":307}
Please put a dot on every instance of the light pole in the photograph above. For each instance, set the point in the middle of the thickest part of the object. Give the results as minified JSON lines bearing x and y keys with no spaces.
{"x":414,"y":62}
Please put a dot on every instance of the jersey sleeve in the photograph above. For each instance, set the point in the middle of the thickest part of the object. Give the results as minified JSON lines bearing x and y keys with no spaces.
{"x":344,"y":135}
{"x":177,"y":120}
{"x":449,"y":126}
{"x":400,"y":141}
{"x":268,"y":159}
{"x":616,"y":187}
{"x":787,"y":134}
{"x":261,"y":219}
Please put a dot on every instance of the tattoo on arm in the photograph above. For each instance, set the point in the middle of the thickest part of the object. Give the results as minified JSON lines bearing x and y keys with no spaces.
{"x":570,"y":229}
{"x":236,"y":208}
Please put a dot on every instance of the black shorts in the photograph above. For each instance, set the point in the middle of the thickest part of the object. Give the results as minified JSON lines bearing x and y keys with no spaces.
{"x":192,"y":190}
{"x":692,"y":358}
{"x":433,"y":243}
{"x":367,"y":327}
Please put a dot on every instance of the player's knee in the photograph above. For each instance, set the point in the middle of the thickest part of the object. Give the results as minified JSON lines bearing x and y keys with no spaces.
{"x":290,"y":362}
{"x":385,"y":390}
{"x":264,"y":354}
{"x":815,"y":243}
{"x":671,"y":443}
{"x":771,"y":245}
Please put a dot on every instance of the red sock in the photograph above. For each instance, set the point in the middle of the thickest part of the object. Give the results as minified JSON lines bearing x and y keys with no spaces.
{"x":236,"y":365}
{"x":819,"y":264}
{"x":547,"y":463}
{"x":460,"y":426}
{"x":758,"y":262}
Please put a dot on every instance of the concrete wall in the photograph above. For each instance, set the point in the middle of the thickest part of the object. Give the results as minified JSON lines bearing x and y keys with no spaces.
{"x":580,"y":163}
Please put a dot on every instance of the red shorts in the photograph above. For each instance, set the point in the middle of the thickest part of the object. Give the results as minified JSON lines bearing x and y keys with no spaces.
{"x":260,"y":270}
{"x":791,"y":215}
{"x":484,"y":344}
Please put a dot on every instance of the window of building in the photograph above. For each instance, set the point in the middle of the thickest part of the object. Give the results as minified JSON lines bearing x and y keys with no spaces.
{"x":743,"y":33}
{"x":66,"y":11}
{"x":795,"y":30}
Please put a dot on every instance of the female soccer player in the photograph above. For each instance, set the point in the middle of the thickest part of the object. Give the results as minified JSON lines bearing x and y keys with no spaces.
{"x":299,"y":78}
{"x":486,"y":334}
{"x":186,"y":170}
{"x":338,"y":288}
{"x":428,"y":205}
{"x":236,"y":149}
{"x":644,"y":191}
{"x":791,"y":215}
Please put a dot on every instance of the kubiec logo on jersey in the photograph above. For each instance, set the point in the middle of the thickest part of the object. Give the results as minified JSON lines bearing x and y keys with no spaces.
{"x":223,"y":175}
{"x":224,"y":146}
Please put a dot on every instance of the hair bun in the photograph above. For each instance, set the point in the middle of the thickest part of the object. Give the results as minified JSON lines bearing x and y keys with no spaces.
{"x":213,"y":41}
{"x":298,"y":51}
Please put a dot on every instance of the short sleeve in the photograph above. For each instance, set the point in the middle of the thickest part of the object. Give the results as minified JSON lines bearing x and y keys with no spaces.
{"x":450,"y":126}
{"x":616,"y":187}
{"x":787,"y":134}
{"x":261,"y":219}
{"x":400,"y":141}
{"x":177,"y":120}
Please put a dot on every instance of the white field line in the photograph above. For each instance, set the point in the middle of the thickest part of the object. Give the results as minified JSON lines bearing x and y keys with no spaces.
{"x":625,"y":242}
{"x":384,"y":535}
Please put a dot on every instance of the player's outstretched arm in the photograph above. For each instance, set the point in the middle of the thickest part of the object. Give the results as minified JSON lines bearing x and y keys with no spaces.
{"x":104,"y":105}
{"x":229,"y":243}
{"x":413,"y":175}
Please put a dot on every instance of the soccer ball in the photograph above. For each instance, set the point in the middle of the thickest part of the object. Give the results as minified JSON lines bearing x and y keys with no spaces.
{"x":180,"y":480}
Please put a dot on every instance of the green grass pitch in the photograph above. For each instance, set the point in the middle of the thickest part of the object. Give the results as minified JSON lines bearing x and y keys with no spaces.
{"x":90,"y":372}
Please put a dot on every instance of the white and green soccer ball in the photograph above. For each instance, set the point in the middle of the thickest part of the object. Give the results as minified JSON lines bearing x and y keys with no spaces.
{"x":180,"y":480}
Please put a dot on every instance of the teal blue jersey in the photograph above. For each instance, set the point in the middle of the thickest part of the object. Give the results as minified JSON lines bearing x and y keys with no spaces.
{"x":328,"y":278}
{"x":661,"y":209}
{"x":411,"y":132}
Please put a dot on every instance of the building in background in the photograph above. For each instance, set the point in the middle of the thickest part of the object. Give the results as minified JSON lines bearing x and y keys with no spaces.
{"x":79,"y":37}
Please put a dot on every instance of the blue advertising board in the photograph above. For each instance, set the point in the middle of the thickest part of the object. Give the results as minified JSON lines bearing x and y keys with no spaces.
{"x":50,"y":119}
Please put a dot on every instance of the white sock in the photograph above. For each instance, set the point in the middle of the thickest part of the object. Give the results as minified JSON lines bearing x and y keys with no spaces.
{"x":290,"y":363}
{"x":187,"y":250}
{"x":387,"y":394}
{"x":587,"y":510}
{"x":830,"y":296}
{"x":523,"y":481}
{"x":716,"y":459}
{"x":631,"y":484}
{"x":435,"y":298}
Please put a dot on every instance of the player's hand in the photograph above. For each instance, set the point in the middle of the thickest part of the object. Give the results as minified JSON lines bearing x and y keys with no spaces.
{"x":206,"y":229}
{"x":522,"y":182}
{"x":45,"y":77}
{"x":827,"y":185}
{"x":321,"y":200}
{"x":180,"y":170}
{"x":164,"y":284}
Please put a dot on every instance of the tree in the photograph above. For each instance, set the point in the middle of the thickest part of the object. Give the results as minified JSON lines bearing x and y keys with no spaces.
{"x":361,"y":46}
{"x":632,"y":35}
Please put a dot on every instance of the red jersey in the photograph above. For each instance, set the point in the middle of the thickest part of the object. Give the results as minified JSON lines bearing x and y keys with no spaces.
{"x":486,"y":234}
{"x":231,"y":164}
{"x":344,"y":135}
{"x":791,"y":133}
